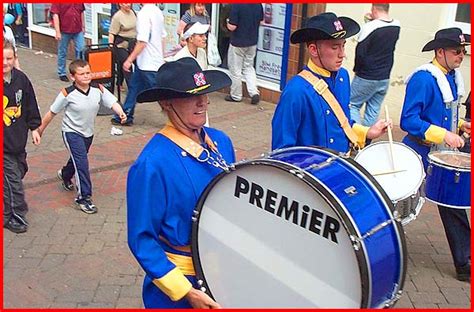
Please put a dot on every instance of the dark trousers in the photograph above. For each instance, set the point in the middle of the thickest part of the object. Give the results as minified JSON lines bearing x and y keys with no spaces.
{"x":458,"y":232}
{"x":78,"y":163}
{"x":14,"y":204}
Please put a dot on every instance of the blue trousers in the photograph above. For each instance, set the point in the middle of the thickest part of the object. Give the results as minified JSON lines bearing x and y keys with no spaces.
{"x":458,"y":232}
{"x":140,"y":81}
{"x":78,"y":164}
{"x":370,"y":92}
{"x":78,"y":40}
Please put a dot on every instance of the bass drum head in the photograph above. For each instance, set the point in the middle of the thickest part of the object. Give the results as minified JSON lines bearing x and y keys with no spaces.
{"x":265,"y":238}
{"x":375,"y":158}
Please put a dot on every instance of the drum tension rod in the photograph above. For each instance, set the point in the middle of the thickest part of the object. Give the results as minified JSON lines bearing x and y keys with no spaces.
{"x":321,"y":165}
{"x":357,"y":240}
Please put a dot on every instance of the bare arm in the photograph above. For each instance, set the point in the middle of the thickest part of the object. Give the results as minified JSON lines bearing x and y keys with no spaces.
{"x":180,"y":28}
{"x":45,"y":122}
{"x":231,"y":27}
{"x":133,"y":56}
{"x":56,"y":26}
{"x":111,"y":38}
{"x":119,"y":111}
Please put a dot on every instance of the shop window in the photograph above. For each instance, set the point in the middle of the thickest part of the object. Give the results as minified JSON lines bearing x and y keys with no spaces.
{"x":460,"y":16}
{"x":41,"y":15}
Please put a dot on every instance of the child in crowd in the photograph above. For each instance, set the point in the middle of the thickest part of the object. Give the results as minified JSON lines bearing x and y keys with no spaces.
{"x":81,"y":102}
{"x":20,"y":114}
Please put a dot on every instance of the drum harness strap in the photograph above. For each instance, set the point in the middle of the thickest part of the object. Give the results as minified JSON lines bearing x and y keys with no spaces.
{"x":321,"y":87}
{"x":194,"y":149}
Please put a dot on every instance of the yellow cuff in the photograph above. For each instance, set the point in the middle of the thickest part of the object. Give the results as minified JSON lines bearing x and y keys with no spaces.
{"x":435,"y":134}
{"x":361,"y":132}
{"x":460,"y":123}
{"x":174,"y":284}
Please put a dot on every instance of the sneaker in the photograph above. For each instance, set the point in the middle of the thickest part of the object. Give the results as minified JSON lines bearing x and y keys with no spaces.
{"x":86,"y":205}
{"x":64,"y":78}
{"x":229,"y":98}
{"x":67,"y":185}
{"x":463,"y":273}
{"x":15,"y":226}
{"x":255,"y":99}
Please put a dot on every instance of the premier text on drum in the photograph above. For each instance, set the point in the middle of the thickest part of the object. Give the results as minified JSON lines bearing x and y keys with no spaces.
{"x":300,"y":214}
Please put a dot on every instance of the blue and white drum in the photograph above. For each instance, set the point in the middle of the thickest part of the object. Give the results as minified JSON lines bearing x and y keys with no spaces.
{"x":448,"y":180}
{"x":304,"y":227}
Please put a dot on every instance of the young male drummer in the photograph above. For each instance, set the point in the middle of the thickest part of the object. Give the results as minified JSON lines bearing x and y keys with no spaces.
{"x":308,"y":113}
{"x":166,"y":181}
{"x":427,"y":117}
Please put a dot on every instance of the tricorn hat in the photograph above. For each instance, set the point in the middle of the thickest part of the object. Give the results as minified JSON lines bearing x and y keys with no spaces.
{"x":326,"y":26}
{"x":184,"y":78}
{"x":446,"y":38}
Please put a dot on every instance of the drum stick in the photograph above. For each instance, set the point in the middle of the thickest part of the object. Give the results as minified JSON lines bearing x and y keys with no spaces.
{"x":390,"y":139}
{"x":388,"y":172}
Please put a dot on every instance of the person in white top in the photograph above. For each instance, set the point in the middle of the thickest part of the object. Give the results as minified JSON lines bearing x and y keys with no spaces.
{"x":196,"y":40}
{"x":148,"y":54}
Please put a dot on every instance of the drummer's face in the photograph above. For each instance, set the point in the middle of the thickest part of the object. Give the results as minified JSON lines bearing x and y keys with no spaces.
{"x":454,"y":56}
{"x":192,"y":111}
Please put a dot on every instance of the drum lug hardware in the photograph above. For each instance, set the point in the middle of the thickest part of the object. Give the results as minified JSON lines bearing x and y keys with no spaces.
{"x":377,"y":228}
{"x":351,"y":190}
{"x":299,"y":173}
{"x":321,"y":165}
{"x":457,"y":176}
{"x":195,"y":215}
{"x":203,"y":289}
{"x":395,"y":297}
{"x":429,"y":170}
{"x":200,"y":282}
{"x":355,"y":242}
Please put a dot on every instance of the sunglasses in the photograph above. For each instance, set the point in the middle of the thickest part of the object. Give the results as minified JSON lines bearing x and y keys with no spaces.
{"x":459,"y":51}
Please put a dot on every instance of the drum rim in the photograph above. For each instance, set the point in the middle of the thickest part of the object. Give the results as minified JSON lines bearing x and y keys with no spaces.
{"x":423,"y":176}
{"x":308,"y":179}
{"x":447,"y":166}
{"x":311,"y":181}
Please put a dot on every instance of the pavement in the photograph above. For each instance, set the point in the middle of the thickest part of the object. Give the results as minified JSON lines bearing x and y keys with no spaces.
{"x":68,"y":259}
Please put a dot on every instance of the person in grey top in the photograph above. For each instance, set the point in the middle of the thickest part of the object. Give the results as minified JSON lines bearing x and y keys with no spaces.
{"x":80,"y":102}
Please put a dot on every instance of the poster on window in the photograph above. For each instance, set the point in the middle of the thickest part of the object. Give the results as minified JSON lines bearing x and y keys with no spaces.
{"x":171,"y":16}
{"x":270,"y":42}
{"x":268,"y":66}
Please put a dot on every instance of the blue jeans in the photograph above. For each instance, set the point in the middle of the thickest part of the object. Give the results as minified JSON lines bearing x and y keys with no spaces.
{"x":371,"y":92}
{"x":78,"y":39}
{"x":140,"y":81}
{"x":78,"y":163}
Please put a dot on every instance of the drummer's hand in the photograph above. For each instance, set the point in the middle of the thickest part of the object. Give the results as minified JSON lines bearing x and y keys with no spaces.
{"x":199,"y":300}
{"x":379,"y":128}
{"x":453,"y":140}
{"x":466,"y":127}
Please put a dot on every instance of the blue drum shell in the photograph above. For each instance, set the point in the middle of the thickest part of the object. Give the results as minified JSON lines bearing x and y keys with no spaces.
{"x":448,"y":186}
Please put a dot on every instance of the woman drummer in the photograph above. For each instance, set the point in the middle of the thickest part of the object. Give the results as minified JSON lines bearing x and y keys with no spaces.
{"x":166,"y":181}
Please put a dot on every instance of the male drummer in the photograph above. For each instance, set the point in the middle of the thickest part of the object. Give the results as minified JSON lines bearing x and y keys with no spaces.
{"x":427,"y":115}
{"x":314,"y":106}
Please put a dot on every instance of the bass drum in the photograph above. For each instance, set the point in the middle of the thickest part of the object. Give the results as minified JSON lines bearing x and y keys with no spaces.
{"x":304,"y":227}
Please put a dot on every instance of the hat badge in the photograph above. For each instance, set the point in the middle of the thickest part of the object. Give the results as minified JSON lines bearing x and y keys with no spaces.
{"x":199,"y":79}
{"x":338,"y":25}
{"x":461,"y":37}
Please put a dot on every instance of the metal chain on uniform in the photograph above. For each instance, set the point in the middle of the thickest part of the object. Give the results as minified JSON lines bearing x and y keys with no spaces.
{"x":218,"y":161}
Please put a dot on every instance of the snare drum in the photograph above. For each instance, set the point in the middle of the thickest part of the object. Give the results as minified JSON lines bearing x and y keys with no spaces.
{"x":448,"y":181}
{"x":293,"y":230}
{"x":403,"y":186}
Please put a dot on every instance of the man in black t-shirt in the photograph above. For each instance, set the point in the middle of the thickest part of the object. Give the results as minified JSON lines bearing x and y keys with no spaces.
{"x":373,"y":64}
{"x":243,"y":23}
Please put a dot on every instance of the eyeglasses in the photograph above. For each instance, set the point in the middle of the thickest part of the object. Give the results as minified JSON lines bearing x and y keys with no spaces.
{"x":459,"y":51}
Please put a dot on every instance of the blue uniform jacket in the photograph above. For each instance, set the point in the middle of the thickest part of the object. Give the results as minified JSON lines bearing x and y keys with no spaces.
{"x":424,"y":110}
{"x":163,"y":187}
{"x":303,"y":118}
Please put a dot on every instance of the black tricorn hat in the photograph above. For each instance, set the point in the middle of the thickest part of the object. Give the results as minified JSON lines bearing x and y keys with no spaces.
{"x":184,"y":78}
{"x":326,"y":26}
{"x":446,"y":38}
